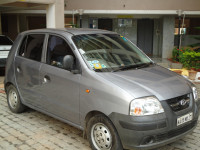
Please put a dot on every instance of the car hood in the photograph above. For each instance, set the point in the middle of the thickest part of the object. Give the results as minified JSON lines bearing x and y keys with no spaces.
{"x":155,"y":80}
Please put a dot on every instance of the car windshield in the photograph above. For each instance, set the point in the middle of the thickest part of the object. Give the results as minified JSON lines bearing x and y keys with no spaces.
{"x":110,"y":52}
{"x":5,"y":41}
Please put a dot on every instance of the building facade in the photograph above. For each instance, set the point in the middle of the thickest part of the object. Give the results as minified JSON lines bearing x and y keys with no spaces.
{"x":153,"y":25}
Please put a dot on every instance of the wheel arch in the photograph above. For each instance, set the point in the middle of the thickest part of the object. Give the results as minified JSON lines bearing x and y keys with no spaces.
{"x":87,"y":118}
{"x":100,"y":116}
{"x":6,"y":85}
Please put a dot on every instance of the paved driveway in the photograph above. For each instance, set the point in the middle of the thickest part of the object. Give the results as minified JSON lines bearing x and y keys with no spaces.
{"x":34,"y":130}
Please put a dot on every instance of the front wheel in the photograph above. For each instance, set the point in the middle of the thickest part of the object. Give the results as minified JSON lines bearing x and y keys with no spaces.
{"x":102,"y":135}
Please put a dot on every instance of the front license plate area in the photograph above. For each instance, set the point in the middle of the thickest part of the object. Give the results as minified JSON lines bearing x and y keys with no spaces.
{"x":183,"y":119}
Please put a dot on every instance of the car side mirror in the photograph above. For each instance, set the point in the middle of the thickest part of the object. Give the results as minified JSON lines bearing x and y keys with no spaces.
{"x":68,"y":62}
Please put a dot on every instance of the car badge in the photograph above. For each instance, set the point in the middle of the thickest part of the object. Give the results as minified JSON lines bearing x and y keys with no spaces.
{"x":182,"y":102}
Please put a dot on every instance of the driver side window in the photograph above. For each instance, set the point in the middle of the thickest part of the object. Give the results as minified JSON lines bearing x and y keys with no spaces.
{"x":57,"y":49}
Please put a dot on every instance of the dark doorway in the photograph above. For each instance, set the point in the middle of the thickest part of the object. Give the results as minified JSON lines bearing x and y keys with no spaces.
{"x":9,"y":25}
{"x":105,"y":24}
{"x":36,"y":22}
{"x":145,"y":29}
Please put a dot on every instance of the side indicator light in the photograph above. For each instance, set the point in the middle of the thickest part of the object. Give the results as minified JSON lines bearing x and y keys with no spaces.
{"x":87,"y":91}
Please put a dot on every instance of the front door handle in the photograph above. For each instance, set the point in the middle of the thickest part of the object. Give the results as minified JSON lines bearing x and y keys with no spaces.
{"x":46,"y":79}
{"x":18,"y":69}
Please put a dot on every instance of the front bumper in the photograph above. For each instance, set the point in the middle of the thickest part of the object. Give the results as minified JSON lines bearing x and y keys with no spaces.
{"x":153,"y":131}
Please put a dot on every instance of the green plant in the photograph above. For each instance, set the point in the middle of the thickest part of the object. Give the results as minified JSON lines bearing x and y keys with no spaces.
{"x":190,"y":59}
{"x":177,"y":53}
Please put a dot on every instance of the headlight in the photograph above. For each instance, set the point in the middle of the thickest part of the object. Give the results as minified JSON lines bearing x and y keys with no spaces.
{"x":145,"y":106}
{"x":195,"y":93}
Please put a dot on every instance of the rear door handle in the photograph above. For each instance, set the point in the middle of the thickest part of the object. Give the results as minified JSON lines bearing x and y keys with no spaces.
{"x":46,"y":79}
{"x":18,"y":69}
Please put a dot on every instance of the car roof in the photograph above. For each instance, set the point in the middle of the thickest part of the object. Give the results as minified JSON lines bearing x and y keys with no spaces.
{"x":73,"y":31}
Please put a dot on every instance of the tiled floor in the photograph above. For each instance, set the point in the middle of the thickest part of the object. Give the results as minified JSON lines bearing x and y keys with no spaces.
{"x":33,"y":130}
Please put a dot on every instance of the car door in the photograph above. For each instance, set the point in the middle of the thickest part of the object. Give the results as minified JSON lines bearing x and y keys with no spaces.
{"x":27,"y":66}
{"x":59,"y":88}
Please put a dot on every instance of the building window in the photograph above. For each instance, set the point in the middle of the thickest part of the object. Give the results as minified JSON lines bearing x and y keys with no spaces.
{"x":94,"y":23}
{"x":182,"y":31}
{"x":69,"y":22}
{"x":190,"y":27}
{"x":124,"y":22}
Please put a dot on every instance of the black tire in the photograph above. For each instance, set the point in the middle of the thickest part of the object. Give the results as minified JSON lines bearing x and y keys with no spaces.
{"x":14,"y":101}
{"x":102,"y":134}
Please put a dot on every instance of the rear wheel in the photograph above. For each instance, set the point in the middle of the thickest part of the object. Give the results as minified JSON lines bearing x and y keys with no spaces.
{"x":13,"y":99}
{"x":102,"y":135}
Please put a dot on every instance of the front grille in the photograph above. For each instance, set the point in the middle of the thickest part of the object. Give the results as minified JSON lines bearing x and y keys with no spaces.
{"x":175,"y":132}
{"x":179,"y":103}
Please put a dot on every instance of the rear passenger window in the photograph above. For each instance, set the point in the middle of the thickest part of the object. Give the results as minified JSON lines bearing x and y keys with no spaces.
{"x":32,"y":46}
{"x":23,"y":46}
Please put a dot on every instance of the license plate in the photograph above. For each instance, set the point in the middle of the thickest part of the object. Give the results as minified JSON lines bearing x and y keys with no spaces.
{"x":183,"y":119}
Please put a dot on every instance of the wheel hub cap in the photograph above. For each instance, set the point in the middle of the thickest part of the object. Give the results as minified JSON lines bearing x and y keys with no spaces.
{"x":13,"y":99}
{"x":101,"y":137}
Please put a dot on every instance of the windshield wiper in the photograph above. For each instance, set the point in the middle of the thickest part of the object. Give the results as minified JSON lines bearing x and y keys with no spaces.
{"x":137,"y":66}
{"x":98,"y":70}
{"x":145,"y":65}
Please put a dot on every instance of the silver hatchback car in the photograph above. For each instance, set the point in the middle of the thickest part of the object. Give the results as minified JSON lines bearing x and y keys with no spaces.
{"x":101,"y":83}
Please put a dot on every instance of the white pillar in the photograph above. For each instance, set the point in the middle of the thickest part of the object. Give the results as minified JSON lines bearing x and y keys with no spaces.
{"x":168,"y":36}
{"x":55,"y":14}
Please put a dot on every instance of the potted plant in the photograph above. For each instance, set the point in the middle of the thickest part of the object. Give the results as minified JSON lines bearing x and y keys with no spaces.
{"x":192,"y":74}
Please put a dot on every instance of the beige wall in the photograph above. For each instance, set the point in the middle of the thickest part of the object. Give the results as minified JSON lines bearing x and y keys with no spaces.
{"x":189,"y":5}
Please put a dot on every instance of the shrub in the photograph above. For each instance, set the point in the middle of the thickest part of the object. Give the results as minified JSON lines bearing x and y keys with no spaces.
{"x":177,"y":53}
{"x":190,"y":59}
